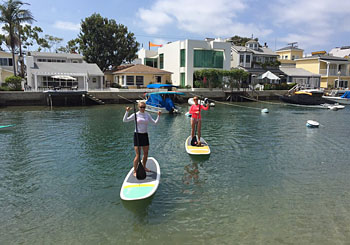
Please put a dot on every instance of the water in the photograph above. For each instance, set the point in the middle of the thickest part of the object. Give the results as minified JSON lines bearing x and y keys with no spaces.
{"x":269,"y":179}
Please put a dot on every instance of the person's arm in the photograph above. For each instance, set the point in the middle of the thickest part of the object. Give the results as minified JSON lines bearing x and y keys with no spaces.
{"x":205,"y":107}
{"x":150,"y":118}
{"x":130,"y":118}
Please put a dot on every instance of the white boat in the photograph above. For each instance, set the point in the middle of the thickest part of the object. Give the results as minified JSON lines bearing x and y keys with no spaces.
{"x":162,"y":101}
{"x":202,"y":102}
{"x":344,"y":99}
{"x":333,"y":107}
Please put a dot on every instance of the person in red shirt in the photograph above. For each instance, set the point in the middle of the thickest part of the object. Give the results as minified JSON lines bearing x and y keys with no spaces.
{"x":195,"y":111}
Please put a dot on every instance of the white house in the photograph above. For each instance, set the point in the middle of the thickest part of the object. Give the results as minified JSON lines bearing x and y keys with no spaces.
{"x":183,"y":58}
{"x":62,"y":71}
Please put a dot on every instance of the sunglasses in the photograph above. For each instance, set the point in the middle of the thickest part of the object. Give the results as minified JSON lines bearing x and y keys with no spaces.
{"x":142,"y":107}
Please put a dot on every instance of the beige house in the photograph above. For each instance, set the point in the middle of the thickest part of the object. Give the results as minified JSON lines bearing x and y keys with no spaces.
{"x":6,"y":65}
{"x":136,"y":76}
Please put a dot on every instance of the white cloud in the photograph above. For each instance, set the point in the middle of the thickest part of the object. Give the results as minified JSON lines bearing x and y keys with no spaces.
{"x":312,"y":23}
{"x":203,"y":17}
{"x":64,"y":25}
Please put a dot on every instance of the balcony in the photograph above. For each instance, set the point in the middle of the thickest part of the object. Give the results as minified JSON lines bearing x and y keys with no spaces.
{"x":333,"y":72}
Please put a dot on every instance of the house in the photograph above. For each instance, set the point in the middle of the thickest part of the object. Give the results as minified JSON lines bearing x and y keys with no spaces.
{"x":334,"y":70}
{"x":302,"y":77}
{"x":136,"y":76}
{"x":6,"y":65}
{"x":287,"y":55}
{"x":343,"y":52}
{"x":255,"y":59}
{"x":183,"y":58}
{"x":61,"y":71}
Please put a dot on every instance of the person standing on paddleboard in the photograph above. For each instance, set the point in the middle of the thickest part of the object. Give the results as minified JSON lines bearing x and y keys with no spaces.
{"x":143,"y":118}
{"x":195,"y":111}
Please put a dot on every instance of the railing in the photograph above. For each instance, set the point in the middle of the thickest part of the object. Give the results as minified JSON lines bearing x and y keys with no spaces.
{"x":334,"y":72}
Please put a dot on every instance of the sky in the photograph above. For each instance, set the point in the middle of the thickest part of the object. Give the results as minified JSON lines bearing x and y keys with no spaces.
{"x":315,"y":24}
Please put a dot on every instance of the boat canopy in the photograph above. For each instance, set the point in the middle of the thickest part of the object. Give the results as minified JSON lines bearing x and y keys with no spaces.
{"x":346,"y":95}
{"x":166,"y":93}
{"x":159,"y":85}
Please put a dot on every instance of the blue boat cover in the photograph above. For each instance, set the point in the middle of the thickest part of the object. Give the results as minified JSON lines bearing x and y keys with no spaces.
{"x":169,"y":104}
{"x":158,"y":85}
{"x":155,"y":100}
{"x":346,"y":95}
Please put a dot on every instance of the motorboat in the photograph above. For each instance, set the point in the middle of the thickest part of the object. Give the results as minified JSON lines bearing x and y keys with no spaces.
{"x":162,"y":101}
{"x":202,"y":102}
{"x":343,"y":99}
{"x":306,"y":97}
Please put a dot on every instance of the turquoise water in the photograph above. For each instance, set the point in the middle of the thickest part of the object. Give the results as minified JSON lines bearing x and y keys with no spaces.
{"x":269,"y":179}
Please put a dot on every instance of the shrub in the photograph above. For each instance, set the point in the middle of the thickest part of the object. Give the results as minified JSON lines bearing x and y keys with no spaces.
{"x":14,"y":83}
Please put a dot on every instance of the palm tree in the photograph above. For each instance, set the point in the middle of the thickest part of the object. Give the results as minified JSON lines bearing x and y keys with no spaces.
{"x":12,"y":15}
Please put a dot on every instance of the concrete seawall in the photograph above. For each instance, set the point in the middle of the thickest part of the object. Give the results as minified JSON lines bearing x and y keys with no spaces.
{"x":20,"y":98}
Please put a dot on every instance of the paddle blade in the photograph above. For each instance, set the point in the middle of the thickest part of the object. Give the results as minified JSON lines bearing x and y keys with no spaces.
{"x":194,"y":141}
{"x":140,"y":172}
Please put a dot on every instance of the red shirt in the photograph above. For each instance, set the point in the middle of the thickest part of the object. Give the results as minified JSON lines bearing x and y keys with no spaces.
{"x":195,"y":108}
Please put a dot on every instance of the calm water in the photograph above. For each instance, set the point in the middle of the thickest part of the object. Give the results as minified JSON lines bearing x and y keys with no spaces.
{"x":269,"y":179}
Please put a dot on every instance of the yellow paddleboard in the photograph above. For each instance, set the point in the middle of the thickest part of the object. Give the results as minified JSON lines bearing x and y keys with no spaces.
{"x":197,"y":150}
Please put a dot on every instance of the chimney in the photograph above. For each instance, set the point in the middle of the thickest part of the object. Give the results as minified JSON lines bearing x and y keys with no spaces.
{"x":265,"y":45}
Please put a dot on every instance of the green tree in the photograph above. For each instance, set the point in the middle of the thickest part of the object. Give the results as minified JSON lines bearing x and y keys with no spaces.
{"x":12,"y":14}
{"x":71,"y":47}
{"x":211,"y":78}
{"x":240,"y":41}
{"x":14,"y":82}
{"x":106,"y":43}
{"x":234,"y":77}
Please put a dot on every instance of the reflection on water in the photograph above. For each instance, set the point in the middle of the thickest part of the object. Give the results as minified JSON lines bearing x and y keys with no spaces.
{"x":268,"y":180}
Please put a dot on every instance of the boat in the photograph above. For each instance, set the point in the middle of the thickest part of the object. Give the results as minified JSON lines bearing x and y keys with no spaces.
{"x":312,"y":124}
{"x":306,"y":97}
{"x":197,"y":150}
{"x":162,"y":101}
{"x":202,"y":102}
{"x":135,"y":189}
{"x":343,"y":99}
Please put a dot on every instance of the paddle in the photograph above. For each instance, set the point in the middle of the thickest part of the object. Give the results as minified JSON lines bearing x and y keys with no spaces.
{"x":140,"y":170}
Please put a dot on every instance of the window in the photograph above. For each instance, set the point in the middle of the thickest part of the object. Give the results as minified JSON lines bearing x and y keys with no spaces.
{"x":247,"y":59}
{"x":94,"y":79}
{"x":151,"y":62}
{"x":286,"y":57}
{"x":241,"y":58}
{"x":182,"y":79}
{"x":161,"y":61}
{"x":129,"y":80}
{"x":139,"y":80}
{"x":182,"y":58}
{"x":208,"y":59}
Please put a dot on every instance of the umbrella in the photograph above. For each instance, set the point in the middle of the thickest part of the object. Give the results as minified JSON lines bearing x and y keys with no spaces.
{"x":269,"y":75}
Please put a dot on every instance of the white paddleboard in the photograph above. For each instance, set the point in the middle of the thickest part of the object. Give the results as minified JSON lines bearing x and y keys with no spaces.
{"x":134,"y":189}
{"x":197,"y":150}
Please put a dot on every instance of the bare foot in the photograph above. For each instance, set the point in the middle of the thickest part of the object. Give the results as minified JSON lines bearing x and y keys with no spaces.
{"x":134,"y":174}
{"x":147,"y":170}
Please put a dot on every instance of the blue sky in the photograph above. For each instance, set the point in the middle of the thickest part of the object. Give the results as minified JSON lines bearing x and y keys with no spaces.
{"x":314,"y":24}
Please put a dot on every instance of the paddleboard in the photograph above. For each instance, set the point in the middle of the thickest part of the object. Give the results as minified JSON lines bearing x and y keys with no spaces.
{"x":197,"y":150}
{"x":134,"y":189}
{"x":7,"y":126}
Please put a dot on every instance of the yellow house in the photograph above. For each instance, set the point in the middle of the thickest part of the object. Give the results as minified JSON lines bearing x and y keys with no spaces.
{"x":334,"y":71}
{"x":136,"y":76}
{"x":6,"y":65}
{"x":289,"y":54}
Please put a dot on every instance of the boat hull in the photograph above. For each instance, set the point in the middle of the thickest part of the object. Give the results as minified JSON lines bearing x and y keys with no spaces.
{"x":304,"y":99}
{"x":344,"y":101}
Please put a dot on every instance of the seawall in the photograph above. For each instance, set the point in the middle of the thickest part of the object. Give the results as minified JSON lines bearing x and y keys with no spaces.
{"x":20,"y":98}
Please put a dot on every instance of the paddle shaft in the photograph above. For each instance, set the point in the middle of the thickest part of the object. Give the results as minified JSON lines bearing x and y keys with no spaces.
{"x":137,"y":135}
